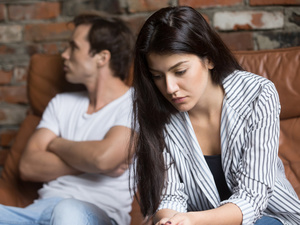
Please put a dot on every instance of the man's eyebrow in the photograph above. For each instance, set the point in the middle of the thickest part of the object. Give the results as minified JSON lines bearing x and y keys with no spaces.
{"x":73,"y":43}
{"x":172,"y":67}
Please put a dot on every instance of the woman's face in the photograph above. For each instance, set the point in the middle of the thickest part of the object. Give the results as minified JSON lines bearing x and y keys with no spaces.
{"x":182,"y":79}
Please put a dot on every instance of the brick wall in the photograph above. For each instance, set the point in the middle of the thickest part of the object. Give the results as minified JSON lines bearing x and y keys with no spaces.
{"x":31,"y":26}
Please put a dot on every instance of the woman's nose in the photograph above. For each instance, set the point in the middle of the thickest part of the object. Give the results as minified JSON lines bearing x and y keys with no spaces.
{"x":171,"y":84}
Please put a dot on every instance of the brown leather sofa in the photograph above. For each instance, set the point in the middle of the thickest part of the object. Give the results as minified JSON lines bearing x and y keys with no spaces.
{"x":46,"y":78}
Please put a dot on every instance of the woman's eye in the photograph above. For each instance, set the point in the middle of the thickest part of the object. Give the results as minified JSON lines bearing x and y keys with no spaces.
{"x":156,"y":76}
{"x":180,"y":72}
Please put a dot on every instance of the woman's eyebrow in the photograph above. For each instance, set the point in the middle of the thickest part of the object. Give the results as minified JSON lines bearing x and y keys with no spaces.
{"x":172,"y":67}
{"x":177,"y":64}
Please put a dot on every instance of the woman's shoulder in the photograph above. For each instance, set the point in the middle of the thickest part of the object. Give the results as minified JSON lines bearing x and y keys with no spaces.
{"x":243,"y":88}
{"x":246,"y":83}
{"x":239,"y":77}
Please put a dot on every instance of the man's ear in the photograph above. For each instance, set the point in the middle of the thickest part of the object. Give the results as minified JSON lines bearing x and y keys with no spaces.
{"x":103,"y":58}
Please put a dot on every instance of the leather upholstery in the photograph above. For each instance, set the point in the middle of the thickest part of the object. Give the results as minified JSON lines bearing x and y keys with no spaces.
{"x":46,"y":78}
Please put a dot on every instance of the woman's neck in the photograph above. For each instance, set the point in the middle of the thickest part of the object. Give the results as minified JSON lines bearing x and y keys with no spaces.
{"x":210,"y":106}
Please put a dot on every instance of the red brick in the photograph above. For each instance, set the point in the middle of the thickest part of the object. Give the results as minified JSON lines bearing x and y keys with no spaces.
{"x":43,"y":10}
{"x":209,"y":3}
{"x":274,"y":2}
{"x":54,"y":48}
{"x":4,"y":50}
{"x":2,"y":12}
{"x":47,"y":48}
{"x":146,"y":5}
{"x":50,"y":48}
{"x":12,"y":114}
{"x":2,"y":115}
{"x":13,"y":94}
{"x":48,"y":32}
{"x":238,"y":40}
{"x":20,"y":74}
{"x":5,"y":77}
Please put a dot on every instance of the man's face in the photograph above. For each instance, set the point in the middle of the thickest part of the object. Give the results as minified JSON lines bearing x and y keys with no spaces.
{"x":80,"y":65}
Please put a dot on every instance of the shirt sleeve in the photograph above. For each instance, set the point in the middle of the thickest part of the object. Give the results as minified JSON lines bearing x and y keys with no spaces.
{"x":125,"y":108}
{"x":256,"y":172}
{"x":173,"y":195}
{"x":50,"y":116}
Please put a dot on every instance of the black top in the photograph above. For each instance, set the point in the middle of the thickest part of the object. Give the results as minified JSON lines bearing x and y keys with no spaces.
{"x":215,"y":166}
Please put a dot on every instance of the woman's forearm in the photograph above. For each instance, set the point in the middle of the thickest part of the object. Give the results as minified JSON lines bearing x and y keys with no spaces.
{"x":228,"y":214}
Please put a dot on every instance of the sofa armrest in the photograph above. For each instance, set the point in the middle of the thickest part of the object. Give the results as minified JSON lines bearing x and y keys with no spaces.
{"x":14,"y":191}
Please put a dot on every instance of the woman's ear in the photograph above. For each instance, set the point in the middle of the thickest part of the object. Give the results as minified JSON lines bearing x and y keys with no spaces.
{"x":103,"y":58}
{"x":210,"y":65}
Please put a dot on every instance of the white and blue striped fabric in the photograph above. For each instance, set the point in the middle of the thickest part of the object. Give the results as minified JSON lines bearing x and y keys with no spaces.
{"x":249,"y":145}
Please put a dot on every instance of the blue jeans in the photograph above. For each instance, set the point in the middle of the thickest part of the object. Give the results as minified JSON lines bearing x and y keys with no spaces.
{"x":267,"y":220}
{"x":55,"y":211}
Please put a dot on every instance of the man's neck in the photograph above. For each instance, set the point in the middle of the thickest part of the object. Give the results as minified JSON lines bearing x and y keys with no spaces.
{"x":105,"y":91}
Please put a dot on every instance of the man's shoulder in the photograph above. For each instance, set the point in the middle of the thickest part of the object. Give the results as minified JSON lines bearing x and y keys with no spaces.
{"x":70,"y":96}
{"x":125,"y":100}
{"x":79,"y":94}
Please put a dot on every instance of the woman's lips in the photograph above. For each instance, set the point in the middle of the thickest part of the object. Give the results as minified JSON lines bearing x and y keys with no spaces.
{"x":178,"y":100}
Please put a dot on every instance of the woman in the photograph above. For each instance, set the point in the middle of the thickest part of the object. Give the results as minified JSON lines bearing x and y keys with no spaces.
{"x":207,"y":150}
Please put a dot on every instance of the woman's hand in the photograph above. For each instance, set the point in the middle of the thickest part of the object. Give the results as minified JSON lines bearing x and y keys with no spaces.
{"x":177,"y":219}
{"x":227,"y":214}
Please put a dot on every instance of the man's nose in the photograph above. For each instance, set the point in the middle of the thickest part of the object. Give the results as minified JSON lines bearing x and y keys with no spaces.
{"x":66,"y":53}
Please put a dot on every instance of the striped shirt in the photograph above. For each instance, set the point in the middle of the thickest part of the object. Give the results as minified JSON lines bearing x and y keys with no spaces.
{"x":249,"y":150}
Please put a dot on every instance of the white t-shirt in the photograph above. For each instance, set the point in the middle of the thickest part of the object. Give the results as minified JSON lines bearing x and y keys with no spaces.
{"x":66,"y":116}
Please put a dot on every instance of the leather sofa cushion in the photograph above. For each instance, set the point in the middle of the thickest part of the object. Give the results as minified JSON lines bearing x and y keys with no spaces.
{"x":13,"y":190}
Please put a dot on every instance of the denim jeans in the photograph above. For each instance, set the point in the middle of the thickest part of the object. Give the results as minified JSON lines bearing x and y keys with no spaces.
{"x":266,"y":220}
{"x":55,"y":211}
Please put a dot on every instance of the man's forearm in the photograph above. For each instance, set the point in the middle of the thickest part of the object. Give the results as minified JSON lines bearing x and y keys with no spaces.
{"x":107,"y":156}
{"x":37,"y":164}
{"x":79,"y":155}
{"x":44,"y":167}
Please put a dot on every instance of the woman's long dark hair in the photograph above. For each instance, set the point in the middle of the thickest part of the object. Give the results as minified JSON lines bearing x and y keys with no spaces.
{"x":171,"y":30}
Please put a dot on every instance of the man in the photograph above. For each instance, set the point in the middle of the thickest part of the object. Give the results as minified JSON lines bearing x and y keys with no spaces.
{"x":81,"y":144}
